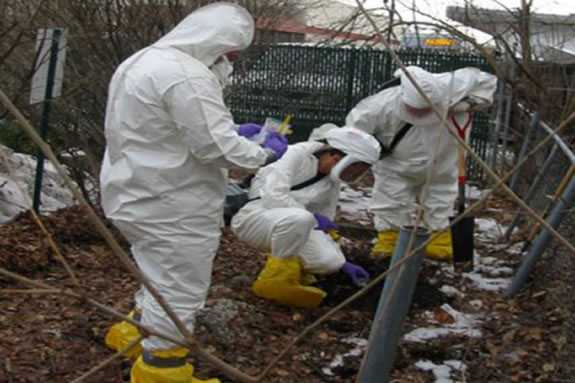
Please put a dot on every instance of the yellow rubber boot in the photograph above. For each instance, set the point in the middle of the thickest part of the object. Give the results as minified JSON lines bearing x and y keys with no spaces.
{"x":166,"y":366}
{"x":280,"y":281}
{"x":441,"y":247}
{"x":385,"y":244}
{"x":334,"y":234}
{"x":121,"y":334}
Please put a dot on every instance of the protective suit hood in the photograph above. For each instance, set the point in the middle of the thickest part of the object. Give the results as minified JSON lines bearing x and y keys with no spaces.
{"x":211,"y":31}
{"x":355,"y":143}
{"x":409,"y":95}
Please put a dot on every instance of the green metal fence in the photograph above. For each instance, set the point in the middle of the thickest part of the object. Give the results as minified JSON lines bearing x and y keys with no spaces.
{"x":322,"y":84}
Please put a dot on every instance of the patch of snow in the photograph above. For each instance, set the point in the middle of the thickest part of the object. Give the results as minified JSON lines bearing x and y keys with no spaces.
{"x":488,"y":229}
{"x":486,"y":273}
{"x":489,"y":284}
{"x":472,"y":192}
{"x":17,"y":177}
{"x":354,"y":204}
{"x":338,"y":361}
{"x":442,"y":372}
{"x":463,"y":325}
{"x":451,"y":291}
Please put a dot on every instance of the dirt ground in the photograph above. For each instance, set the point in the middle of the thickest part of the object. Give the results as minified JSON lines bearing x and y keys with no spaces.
{"x":54,"y":338}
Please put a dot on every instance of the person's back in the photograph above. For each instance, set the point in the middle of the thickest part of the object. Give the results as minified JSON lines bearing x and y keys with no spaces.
{"x":426,"y":154}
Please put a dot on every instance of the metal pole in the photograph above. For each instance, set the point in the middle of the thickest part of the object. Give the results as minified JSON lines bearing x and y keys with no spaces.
{"x":46,"y":107}
{"x":542,"y":240}
{"x":506,"y":122}
{"x":393,"y":307}
{"x":531,"y":128}
{"x":534,"y":187}
{"x":498,"y":118}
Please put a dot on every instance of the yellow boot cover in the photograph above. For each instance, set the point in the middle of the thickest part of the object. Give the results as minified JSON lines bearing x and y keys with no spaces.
{"x":280,"y":281}
{"x":334,"y":234}
{"x":165,"y":366}
{"x":121,"y":334}
{"x":385,"y":244}
{"x":440,"y":248}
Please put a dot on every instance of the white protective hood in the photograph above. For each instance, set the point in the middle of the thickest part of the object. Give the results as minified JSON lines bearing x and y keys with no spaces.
{"x":211,"y":32}
{"x":354,"y":143}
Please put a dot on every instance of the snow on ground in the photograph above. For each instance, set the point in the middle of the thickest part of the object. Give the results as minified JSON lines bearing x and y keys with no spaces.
{"x":17,"y":176}
{"x":460,"y":324}
{"x":442,"y":372}
{"x":354,"y":204}
{"x":488,"y":229}
{"x":490,"y":274}
{"x":359,"y":347}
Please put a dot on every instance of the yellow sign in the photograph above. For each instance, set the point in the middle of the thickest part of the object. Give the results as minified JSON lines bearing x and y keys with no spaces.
{"x":440,"y":42}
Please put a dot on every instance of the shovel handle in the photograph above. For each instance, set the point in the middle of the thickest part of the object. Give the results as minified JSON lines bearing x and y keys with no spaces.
{"x":462,"y":131}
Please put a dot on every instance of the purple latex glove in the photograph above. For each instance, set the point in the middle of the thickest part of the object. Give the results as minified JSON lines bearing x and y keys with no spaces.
{"x":357,"y":274}
{"x":323,"y":223}
{"x":249,"y":129}
{"x":277,"y":143}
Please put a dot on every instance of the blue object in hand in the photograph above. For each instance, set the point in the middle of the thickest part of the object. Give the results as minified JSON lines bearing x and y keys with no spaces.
{"x":357,"y":274}
{"x":324,"y":223}
{"x":276,"y":143}
{"x":249,"y":129}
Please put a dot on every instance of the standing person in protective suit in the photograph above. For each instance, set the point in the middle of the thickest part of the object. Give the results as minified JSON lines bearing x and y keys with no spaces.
{"x":402,"y":120}
{"x":170,"y":139}
{"x":291,"y":210}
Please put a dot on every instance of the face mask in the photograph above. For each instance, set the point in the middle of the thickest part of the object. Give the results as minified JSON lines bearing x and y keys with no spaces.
{"x":223,"y":70}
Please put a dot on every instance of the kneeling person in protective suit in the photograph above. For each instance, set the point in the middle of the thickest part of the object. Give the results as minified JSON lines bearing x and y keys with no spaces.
{"x":423,"y":145}
{"x":293,"y":202}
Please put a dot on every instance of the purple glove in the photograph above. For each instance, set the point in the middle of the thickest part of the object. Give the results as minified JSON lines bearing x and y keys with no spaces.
{"x":323,"y":223}
{"x":357,"y":274}
{"x":276,"y":143}
{"x":249,"y":129}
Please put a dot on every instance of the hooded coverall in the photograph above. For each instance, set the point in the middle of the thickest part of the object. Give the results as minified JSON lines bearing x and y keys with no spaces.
{"x":399,"y":177}
{"x":281,"y":220}
{"x":169,"y":140}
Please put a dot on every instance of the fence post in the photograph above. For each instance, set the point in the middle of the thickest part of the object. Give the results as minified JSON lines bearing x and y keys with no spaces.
{"x":393,"y":307}
{"x":533,"y":126}
{"x":497,"y":126}
{"x":542,"y":240}
{"x":533,"y":188}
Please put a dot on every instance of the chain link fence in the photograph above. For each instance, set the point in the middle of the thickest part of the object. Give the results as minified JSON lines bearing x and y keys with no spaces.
{"x":322,"y":84}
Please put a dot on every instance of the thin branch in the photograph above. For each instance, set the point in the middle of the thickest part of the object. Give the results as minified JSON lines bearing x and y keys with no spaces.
{"x":107,"y":361}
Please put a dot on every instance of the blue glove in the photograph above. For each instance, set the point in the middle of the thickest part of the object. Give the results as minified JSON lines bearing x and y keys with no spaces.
{"x":323,"y":223}
{"x":357,"y":274}
{"x":249,"y":129}
{"x":277,"y":143}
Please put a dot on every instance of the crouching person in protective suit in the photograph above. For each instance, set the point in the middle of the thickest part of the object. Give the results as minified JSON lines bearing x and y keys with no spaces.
{"x":291,"y":210}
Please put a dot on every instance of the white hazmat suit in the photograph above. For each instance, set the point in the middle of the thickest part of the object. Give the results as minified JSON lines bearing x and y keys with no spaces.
{"x":169,"y":137}
{"x":281,"y":221}
{"x":400,"y":176}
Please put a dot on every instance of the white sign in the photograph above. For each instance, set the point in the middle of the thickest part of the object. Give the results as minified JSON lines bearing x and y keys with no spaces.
{"x":43,"y":54}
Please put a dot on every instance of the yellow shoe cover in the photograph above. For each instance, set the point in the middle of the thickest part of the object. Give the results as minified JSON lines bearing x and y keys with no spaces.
{"x":440,"y":248}
{"x":334,"y":234}
{"x":143,"y":372}
{"x":280,"y":281}
{"x":385,"y":244}
{"x":121,"y":334}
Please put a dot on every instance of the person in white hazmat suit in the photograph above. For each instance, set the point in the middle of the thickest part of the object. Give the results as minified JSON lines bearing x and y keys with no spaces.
{"x":291,"y":210}
{"x":169,"y":140}
{"x":401,"y":174}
